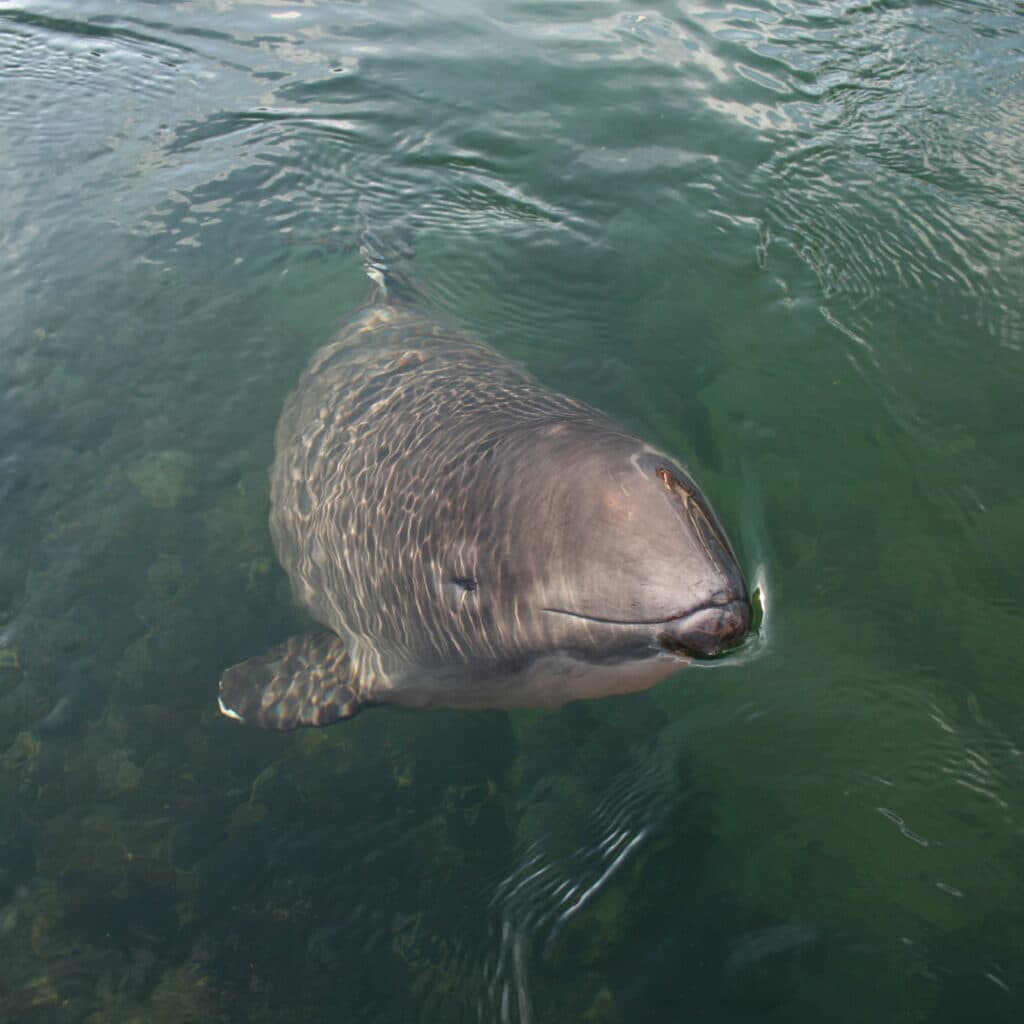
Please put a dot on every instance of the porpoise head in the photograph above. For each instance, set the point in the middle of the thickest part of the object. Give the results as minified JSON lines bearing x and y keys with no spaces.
{"x":601,"y":569}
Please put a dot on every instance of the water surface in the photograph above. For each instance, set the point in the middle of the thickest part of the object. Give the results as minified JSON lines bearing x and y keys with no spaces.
{"x":780,"y":239}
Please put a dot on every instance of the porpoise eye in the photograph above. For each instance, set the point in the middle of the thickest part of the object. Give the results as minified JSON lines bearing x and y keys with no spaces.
{"x":467,"y":583}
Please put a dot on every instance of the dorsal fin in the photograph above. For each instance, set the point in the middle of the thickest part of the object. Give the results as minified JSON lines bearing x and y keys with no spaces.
{"x":387,"y":254}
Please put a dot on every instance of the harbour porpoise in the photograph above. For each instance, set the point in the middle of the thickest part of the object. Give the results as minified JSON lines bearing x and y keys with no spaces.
{"x":473,"y":539}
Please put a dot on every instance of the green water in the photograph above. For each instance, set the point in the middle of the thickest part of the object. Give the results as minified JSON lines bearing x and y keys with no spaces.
{"x":784,"y":240}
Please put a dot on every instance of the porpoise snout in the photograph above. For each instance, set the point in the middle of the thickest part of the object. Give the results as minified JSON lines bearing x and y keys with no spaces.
{"x":709,"y":630}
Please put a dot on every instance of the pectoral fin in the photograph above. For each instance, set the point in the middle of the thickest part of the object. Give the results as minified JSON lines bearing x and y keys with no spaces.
{"x":305,"y":681}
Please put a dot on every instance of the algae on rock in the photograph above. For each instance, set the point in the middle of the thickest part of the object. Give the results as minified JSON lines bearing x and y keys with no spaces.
{"x":164,"y":478}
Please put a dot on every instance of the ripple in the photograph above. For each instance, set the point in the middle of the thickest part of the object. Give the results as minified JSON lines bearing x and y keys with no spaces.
{"x":886,"y":176}
{"x":535,"y":902}
{"x":695,"y":215}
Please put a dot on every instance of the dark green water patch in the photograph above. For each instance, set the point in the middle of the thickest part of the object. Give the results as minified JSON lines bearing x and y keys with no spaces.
{"x":782,"y":242}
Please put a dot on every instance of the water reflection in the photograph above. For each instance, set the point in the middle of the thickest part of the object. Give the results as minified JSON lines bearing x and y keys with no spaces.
{"x":782,"y":238}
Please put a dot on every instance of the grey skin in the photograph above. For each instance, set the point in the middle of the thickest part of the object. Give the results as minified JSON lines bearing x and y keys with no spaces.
{"x":473,"y":539}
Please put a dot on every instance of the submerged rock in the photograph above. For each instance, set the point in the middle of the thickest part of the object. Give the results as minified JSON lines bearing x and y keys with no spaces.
{"x":762,"y":970}
{"x":164,"y":478}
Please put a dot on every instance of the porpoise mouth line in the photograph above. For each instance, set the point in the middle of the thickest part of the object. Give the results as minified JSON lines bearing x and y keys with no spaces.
{"x":637,"y":622}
